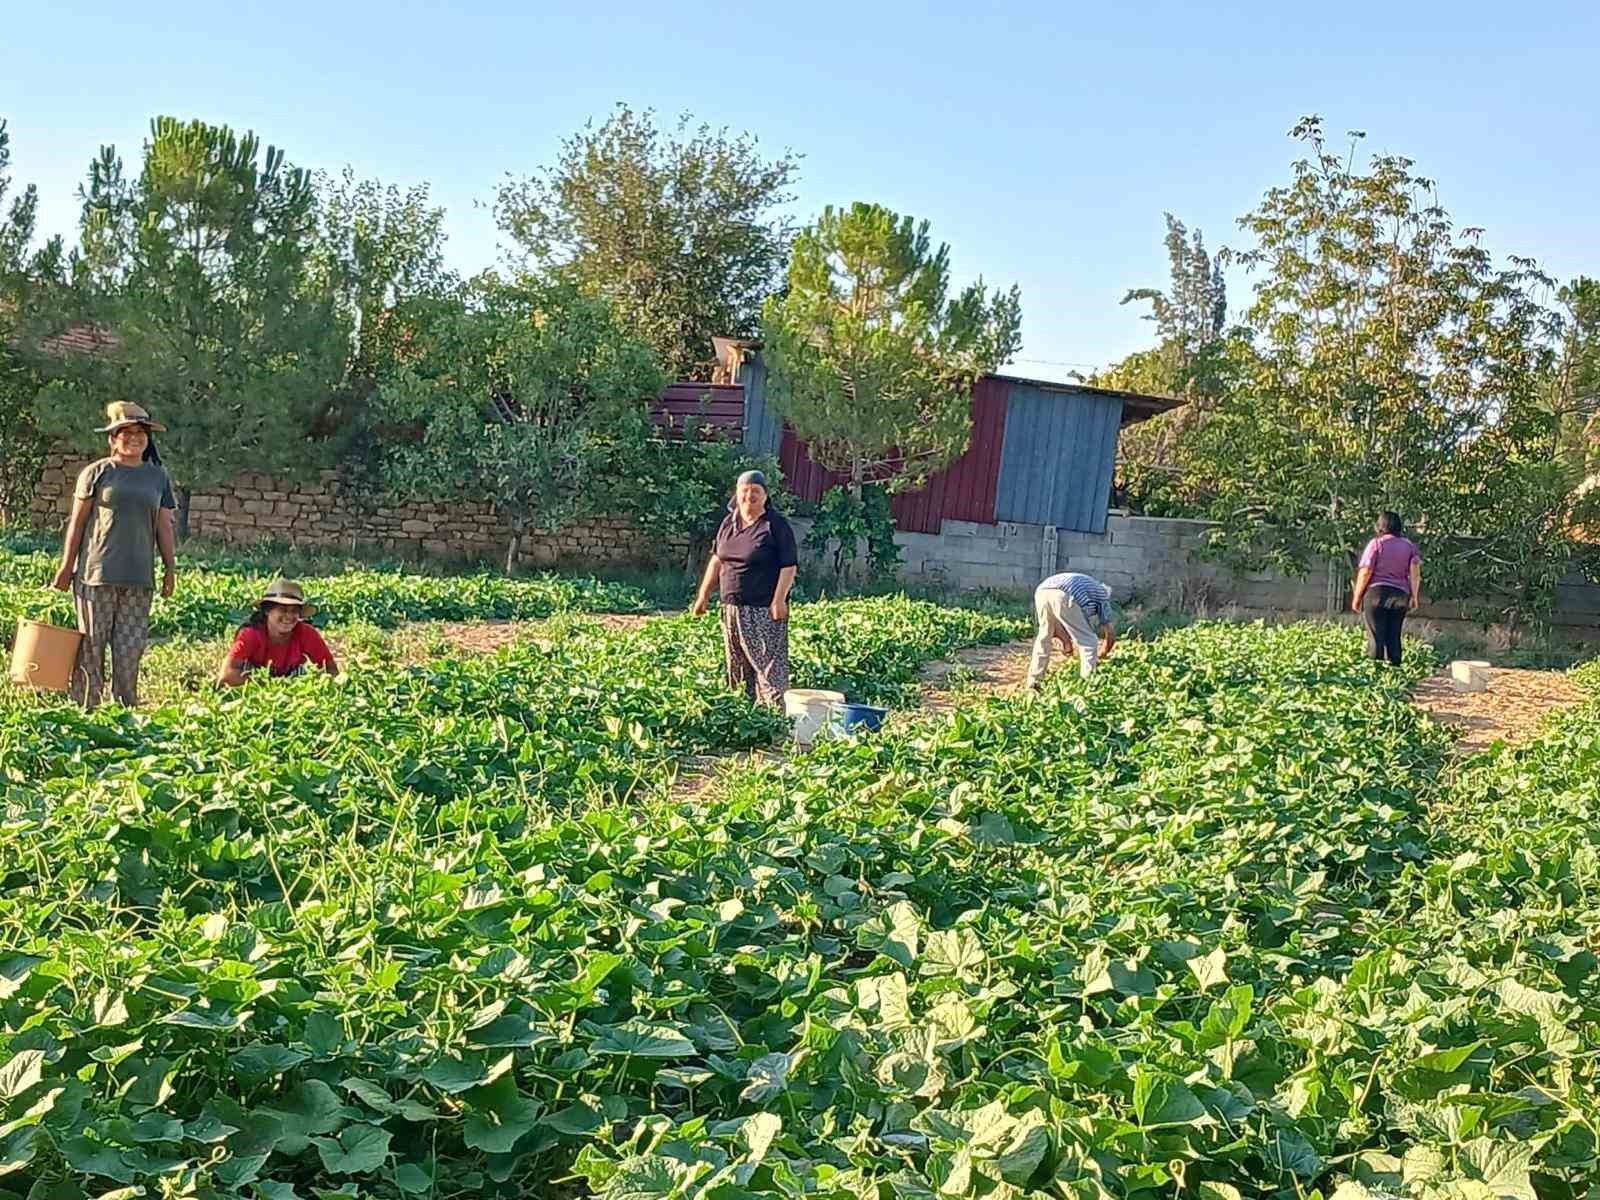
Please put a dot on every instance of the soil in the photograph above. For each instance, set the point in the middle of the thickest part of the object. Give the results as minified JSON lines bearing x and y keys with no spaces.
{"x":1511,"y":710}
{"x":1001,"y":670}
{"x":485,"y":637}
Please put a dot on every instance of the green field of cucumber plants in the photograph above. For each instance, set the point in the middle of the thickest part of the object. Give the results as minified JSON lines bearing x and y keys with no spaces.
{"x":1228,"y":920}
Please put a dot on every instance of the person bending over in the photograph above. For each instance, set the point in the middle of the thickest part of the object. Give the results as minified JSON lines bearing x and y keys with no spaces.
{"x":1075,"y":610}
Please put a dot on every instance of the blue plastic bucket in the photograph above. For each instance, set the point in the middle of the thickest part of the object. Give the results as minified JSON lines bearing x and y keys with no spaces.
{"x":853,"y":718}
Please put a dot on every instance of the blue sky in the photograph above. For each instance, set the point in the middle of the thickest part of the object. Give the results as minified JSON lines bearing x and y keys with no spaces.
{"x":1044,"y":140}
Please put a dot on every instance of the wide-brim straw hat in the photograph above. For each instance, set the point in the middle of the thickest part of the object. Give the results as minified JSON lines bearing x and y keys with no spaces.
{"x":122,"y":413}
{"x":287,"y":591}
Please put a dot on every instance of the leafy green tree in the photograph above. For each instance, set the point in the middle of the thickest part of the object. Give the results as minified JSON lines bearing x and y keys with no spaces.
{"x":1386,"y":362}
{"x":1575,"y":387}
{"x":1189,"y":360}
{"x":872,"y":361}
{"x":517,"y":399}
{"x":201,"y":268}
{"x":380,"y":251}
{"x":677,"y":230}
{"x":25,"y":273}
{"x":679,"y":487}
{"x":1190,"y":319}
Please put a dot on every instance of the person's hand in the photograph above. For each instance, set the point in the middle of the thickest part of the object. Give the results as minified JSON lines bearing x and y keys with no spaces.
{"x":1413,"y":604}
{"x":169,"y":583}
{"x":63,"y":580}
{"x":701,"y":603}
{"x":1355,"y":605}
{"x":779,"y":609}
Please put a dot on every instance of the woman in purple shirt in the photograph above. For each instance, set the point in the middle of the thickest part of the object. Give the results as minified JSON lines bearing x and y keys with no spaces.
{"x":1388,"y":586}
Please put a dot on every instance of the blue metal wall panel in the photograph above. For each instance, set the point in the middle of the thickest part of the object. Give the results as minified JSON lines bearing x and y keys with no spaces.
{"x":763,"y":431}
{"x":1057,"y":458}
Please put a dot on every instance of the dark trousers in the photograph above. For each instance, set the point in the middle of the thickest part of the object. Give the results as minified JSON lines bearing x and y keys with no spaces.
{"x":1385,"y":611}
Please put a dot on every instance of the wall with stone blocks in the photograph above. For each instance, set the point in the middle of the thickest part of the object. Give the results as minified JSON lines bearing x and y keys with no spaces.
{"x":258,"y":508}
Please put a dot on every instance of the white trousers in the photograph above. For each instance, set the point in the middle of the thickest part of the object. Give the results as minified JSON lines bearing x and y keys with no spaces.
{"x":1057,"y":615}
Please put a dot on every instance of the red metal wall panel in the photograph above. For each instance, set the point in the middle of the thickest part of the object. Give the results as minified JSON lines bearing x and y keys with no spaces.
{"x":963,"y":491}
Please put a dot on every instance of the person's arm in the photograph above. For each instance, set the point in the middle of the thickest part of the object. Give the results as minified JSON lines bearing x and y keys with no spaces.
{"x":237,"y":664}
{"x":784,"y":546}
{"x":167,"y":540}
{"x":708,"y":582}
{"x":1416,"y":583}
{"x":1108,"y":639}
{"x":1363,"y":577}
{"x":233,"y":672}
{"x":780,"y":597}
{"x":82,"y":506}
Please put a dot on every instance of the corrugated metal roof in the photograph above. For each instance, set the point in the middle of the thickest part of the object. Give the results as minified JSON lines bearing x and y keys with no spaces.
{"x":1136,"y":406}
{"x":1057,"y":457}
{"x":81,"y":339}
{"x":965,"y":490}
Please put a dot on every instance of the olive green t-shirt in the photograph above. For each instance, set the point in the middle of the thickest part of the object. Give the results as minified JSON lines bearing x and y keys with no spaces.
{"x":119,"y":538}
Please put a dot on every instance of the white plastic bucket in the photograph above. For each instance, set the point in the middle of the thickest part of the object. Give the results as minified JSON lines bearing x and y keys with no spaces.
{"x":809,"y":709}
{"x":44,"y":656}
{"x":1469,"y":675}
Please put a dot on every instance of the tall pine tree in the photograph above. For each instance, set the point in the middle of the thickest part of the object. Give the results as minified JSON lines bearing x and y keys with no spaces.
{"x":199,"y":269}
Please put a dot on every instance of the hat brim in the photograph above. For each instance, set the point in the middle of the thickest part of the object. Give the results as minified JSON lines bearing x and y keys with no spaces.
{"x":152,"y":426}
{"x":306,"y":610}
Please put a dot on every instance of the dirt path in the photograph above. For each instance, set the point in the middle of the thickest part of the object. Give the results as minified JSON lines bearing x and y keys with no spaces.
{"x":1511,"y":710}
{"x":485,"y":637}
{"x":988,"y":669}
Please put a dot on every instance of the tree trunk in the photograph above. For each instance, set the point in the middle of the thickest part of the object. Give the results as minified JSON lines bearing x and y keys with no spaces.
{"x":183,"y":514}
{"x":860,"y":567}
{"x":512,"y":546}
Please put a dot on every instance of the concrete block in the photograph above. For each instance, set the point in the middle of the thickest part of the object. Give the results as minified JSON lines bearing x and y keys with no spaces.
{"x":1469,"y":675}
{"x":1122,"y":554}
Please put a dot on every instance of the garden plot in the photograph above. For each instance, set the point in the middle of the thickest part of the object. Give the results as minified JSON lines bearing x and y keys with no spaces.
{"x":1206,"y":925}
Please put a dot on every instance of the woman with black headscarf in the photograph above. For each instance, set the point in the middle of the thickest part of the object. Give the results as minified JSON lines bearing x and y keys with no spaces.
{"x":753,"y":563}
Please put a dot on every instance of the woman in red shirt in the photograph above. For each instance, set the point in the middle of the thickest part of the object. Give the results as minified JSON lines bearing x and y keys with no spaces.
{"x":278,"y":637}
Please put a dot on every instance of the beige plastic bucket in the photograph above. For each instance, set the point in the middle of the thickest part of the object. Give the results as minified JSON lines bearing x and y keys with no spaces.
{"x":809,"y":709}
{"x":44,"y":656}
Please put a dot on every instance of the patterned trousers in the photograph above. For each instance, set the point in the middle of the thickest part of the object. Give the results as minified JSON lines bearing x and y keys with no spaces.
{"x":757,"y":652}
{"x":115,"y":619}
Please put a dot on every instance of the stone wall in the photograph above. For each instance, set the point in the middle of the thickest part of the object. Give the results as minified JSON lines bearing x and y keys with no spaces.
{"x":321,"y":513}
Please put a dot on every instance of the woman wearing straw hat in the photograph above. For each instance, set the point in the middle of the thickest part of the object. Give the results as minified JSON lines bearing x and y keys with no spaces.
{"x":753,"y":564}
{"x":278,"y":637}
{"x":122,"y":513}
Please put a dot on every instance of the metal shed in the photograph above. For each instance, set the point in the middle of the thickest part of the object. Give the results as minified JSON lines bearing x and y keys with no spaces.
{"x":1041,"y":454}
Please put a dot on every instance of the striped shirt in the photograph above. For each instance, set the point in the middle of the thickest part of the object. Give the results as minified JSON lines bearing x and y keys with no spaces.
{"x":1092,"y":597}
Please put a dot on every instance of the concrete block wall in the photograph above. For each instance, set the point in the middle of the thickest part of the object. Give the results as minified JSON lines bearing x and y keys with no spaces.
{"x":1155,"y":559}
{"x":1152,"y":561}
{"x":1145,"y":559}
